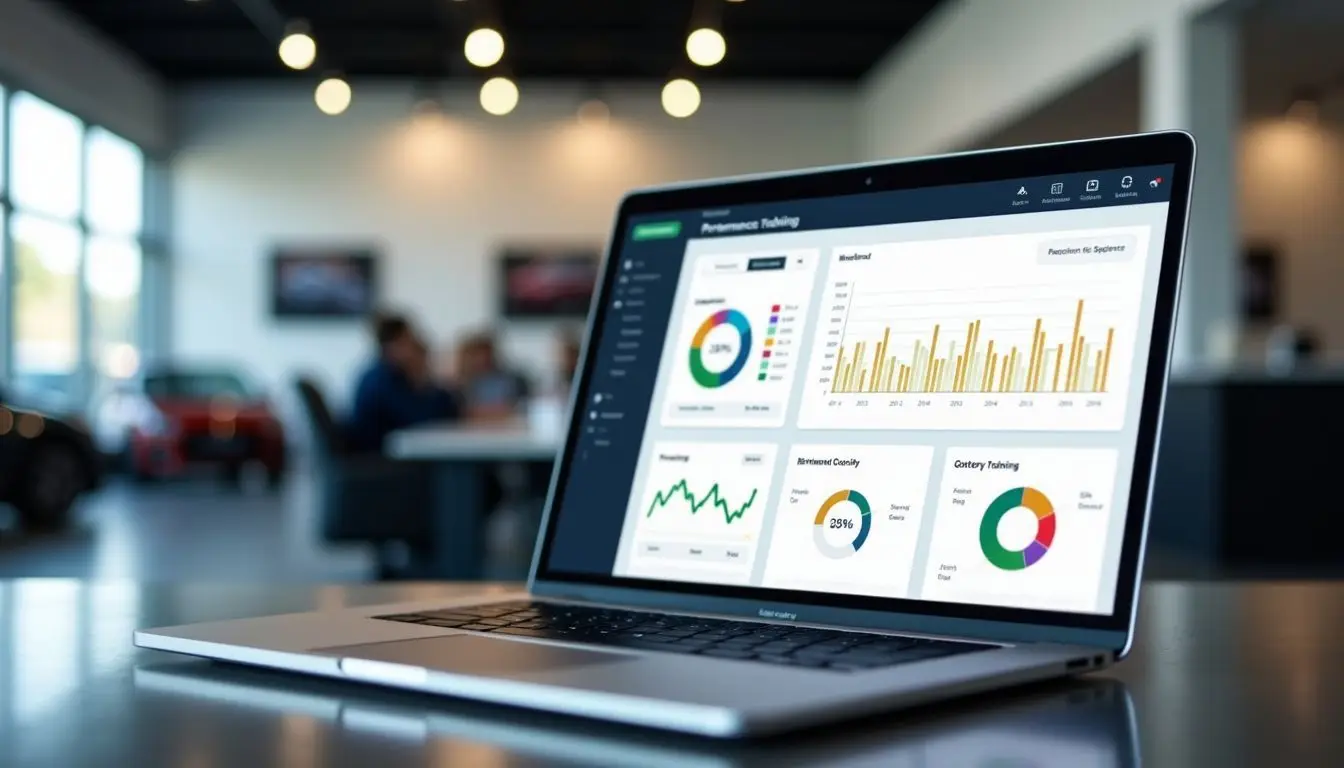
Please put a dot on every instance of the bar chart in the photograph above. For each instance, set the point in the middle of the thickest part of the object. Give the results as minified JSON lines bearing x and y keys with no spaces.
{"x":985,"y":333}
{"x":973,"y":361}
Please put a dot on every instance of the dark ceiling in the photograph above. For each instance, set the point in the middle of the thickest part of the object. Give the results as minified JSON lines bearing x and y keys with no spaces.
{"x":573,"y":39}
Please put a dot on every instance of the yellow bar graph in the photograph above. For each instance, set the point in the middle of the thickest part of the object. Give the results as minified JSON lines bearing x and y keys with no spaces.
{"x":933,"y":350}
{"x":989,"y":369}
{"x":1106,"y":361}
{"x":1031,"y":360}
{"x":983,"y":364}
{"x":839,"y":370}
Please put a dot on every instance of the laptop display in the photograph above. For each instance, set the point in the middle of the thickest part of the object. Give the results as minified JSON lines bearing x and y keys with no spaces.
{"x":927,"y":394}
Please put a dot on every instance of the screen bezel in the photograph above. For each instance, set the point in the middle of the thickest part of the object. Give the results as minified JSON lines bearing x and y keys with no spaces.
{"x":1166,"y":148}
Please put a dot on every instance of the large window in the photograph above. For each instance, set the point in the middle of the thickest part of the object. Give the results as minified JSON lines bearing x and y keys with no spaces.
{"x":45,"y":155}
{"x":114,"y":212}
{"x":72,"y":209}
{"x":45,"y":319}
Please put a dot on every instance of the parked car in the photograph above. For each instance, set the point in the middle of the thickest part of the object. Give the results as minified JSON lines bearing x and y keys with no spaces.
{"x":46,"y":462}
{"x":177,"y":417}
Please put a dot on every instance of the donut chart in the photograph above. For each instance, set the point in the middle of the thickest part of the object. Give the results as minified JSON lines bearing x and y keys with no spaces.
{"x":702,"y":375}
{"x":837,"y":552}
{"x":1015,"y":560}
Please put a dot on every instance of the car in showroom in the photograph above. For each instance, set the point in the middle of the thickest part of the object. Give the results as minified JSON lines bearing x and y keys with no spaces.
{"x":46,"y":463}
{"x":172,"y":419}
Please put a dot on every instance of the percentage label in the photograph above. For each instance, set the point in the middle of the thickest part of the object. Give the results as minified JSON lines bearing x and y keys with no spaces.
{"x":724,"y":348}
{"x":841,"y":522}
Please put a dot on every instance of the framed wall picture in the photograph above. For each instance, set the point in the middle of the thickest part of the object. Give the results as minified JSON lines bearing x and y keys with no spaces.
{"x":324,"y":282}
{"x":539,"y":282}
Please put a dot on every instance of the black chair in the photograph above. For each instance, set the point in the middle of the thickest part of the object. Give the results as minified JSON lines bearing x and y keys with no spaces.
{"x":366,"y":497}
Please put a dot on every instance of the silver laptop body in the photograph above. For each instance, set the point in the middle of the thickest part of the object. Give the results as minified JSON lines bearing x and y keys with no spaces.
{"x":918,"y":400}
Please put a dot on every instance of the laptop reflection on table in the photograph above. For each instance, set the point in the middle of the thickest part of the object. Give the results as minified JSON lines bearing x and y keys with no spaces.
{"x":1086,"y":723}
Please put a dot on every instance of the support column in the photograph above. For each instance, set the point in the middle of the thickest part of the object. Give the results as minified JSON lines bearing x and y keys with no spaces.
{"x":1192,"y":80}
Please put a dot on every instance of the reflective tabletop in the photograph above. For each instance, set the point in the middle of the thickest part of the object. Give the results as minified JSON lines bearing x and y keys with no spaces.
{"x":1222,"y":675}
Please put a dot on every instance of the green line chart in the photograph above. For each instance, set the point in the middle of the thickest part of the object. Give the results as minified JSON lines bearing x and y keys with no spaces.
{"x":681,"y":491}
{"x":699,"y":510}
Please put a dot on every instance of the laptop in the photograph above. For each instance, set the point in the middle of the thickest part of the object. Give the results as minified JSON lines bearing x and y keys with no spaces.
{"x":842,"y":441}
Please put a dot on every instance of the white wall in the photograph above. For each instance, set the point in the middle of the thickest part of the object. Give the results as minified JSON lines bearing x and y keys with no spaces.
{"x":58,"y":57}
{"x":976,"y":65}
{"x":1292,"y":193}
{"x":259,"y":165}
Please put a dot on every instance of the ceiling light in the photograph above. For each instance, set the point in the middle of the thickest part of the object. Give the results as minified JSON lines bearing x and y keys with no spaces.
{"x":499,"y":96}
{"x":298,"y":50}
{"x":681,"y":98}
{"x":332,"y":95}
{"x":594,"y":111}
{"x":484,"y":47}
{"x":706,"y":47}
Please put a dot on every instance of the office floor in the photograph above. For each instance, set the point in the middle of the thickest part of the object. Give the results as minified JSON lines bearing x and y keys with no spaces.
{"x":199,"y":530}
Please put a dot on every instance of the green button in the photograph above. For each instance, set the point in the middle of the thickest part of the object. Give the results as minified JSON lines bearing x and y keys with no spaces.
{"x":658,"y":230}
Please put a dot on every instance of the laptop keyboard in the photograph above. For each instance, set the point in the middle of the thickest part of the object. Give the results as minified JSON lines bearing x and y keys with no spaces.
{"x":827,"y":649}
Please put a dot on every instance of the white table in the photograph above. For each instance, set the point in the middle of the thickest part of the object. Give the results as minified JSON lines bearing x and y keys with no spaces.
{"x":463,"y":442}
{"x":461,"y":458}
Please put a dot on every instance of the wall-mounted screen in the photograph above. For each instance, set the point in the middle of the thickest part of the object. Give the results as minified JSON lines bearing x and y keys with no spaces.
{"x":547,"y":282}
{"x":318,"y":282}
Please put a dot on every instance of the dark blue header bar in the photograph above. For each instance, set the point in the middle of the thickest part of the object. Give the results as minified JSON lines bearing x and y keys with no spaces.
{"x":1060,"y":192}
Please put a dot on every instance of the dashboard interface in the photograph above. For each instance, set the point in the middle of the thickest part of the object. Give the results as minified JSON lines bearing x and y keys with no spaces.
{"x":927,"y":394}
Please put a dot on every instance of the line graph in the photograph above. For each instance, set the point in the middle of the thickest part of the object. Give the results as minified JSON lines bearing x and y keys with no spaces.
{"x":682,"y":491}
{"x":697,"y":508}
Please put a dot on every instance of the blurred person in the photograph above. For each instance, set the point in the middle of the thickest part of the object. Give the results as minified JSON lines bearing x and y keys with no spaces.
{"x":490,"y":390}
{"x":397,"y":389}
{"x":569,"y":345}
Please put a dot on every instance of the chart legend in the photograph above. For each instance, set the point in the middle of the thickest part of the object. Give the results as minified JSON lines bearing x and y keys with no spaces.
{"x":699,"y":509}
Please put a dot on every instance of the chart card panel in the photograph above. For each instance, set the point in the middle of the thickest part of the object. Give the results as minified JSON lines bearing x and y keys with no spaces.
{"x":740,"y":339}
{"x":700,"y":514}
{"x":1020,"y":527}
{"x":847,"y":519}
{"x":1010,"y":332}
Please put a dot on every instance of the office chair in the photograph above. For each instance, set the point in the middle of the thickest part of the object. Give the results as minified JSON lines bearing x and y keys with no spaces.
{"x":366,"y":497}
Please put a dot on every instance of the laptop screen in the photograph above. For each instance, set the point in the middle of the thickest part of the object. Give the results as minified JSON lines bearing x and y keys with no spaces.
{"x":926,"y":394}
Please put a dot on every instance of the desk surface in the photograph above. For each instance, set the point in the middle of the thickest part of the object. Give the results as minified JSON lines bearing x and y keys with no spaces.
{"x":456,"y":442}
{"x":1222,"y":675}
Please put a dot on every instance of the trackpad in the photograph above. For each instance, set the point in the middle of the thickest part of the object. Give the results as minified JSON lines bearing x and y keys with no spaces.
{"x":472,"y":655}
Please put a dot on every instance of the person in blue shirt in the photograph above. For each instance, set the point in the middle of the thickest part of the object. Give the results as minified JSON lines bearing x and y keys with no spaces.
{"x":491,"y":390}
{"x":397,"y":390}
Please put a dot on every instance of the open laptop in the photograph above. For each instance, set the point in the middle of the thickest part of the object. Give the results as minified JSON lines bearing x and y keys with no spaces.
{"x":843,"y":440}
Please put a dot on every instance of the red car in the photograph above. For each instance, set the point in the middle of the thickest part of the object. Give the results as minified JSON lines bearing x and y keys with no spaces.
{"x":191,"y":417}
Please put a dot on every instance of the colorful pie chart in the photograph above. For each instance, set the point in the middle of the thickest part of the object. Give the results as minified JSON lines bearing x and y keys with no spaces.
{"x":819,"y":526}
{"x":699,"y":370}
{"x":1017,"y":559}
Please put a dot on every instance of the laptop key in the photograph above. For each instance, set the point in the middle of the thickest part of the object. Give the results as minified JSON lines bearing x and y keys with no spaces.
{"x":720,"y":653}
{"x":449,"y":615}
{"x":479,"y":627}
{"x":447,"y":623}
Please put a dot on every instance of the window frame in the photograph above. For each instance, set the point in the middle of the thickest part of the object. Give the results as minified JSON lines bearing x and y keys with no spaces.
{"x":152,"y":303}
